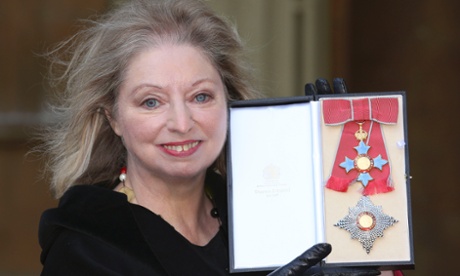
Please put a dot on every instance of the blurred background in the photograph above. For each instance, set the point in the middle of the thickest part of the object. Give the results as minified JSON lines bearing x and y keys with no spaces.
{"x":389,"y":45}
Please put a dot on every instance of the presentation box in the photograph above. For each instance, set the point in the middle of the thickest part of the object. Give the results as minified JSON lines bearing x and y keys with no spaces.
{"x":304,"y":170}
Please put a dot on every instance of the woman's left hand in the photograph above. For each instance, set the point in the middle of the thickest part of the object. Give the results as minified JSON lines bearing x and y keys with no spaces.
{"x":305,"y":261}
{"x":306,"y":265}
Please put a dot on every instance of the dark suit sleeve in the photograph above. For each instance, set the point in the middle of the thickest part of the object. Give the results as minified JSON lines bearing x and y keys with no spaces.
{"x":74,"y":253}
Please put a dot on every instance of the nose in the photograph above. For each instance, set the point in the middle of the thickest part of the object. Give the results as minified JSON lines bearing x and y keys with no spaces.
{"x":180,"y":118}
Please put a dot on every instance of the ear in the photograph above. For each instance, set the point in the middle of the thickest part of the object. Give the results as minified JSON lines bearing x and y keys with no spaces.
{"x":113,"y":122}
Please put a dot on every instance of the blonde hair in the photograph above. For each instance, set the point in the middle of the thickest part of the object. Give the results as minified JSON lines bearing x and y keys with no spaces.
{"x":87,"y":70}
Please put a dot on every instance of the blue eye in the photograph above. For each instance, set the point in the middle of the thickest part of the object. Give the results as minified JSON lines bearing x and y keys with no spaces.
{"x":151,"y":103}
{"x":201,"y":98}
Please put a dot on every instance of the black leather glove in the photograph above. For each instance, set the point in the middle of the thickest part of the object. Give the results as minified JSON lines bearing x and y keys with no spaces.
{"x":322,"y":87}
{"x":307,"y":265}
{"x":305,"y":261}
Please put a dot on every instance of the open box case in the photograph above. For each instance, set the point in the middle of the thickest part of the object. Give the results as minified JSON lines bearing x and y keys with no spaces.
{"x":304,"y":170}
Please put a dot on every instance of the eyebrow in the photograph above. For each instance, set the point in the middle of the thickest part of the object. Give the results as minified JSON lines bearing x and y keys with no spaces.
{"x":196,"y":83}
{"x":145,"y":85}
{"x":134,"y":92}
{"x":203,"y":80}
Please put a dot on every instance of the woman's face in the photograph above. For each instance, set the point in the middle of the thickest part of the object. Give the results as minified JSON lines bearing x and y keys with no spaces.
{"x":172,"y":112}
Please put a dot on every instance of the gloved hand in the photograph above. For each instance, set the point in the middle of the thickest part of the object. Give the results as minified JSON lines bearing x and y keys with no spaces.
{"x":305,"y":261}
{"x":322,"y":87}
{"x":306,"y":265}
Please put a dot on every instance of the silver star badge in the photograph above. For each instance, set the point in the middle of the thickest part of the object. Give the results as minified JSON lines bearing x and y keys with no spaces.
{"x":366,"y":222}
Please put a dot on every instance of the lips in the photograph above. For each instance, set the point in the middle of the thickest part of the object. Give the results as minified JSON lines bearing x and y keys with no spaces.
{"x":181,"y":149}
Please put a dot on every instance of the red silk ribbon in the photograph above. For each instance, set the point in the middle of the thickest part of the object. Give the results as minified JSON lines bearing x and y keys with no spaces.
{"x":371,"y":112}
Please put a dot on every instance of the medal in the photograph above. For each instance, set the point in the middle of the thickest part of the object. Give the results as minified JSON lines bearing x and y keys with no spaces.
{"x":366,"y":222}
{"x":357,"y":163}
{"x":363,"y":163}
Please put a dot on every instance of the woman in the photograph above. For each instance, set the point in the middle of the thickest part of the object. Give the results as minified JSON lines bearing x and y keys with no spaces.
{"x":137,"y":153}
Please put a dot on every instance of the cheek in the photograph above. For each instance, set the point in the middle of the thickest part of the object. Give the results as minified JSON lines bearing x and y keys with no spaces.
{"x":220,"y":125}
{"x":135,"y":130}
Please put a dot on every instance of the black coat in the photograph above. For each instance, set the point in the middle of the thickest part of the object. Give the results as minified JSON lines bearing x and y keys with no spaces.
{"x":96,"y":231}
